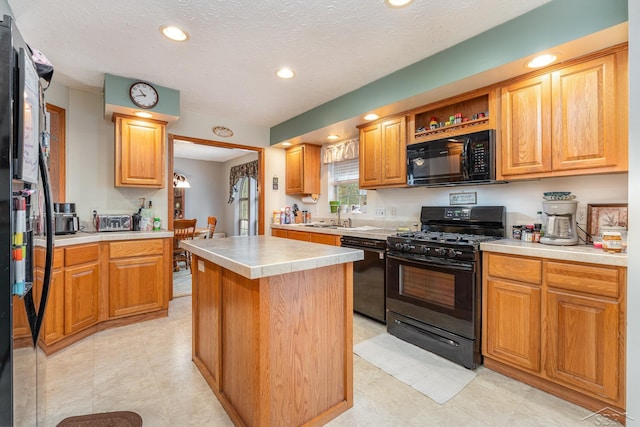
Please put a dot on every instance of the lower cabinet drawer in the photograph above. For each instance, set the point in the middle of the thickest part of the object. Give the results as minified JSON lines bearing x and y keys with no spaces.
{"x":135,"y":248}
{"x":582,"y":278}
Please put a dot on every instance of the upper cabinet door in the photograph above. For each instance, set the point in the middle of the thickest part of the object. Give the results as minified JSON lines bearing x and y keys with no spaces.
{"x":570,"y":121}
{"x":394,"y":151}
{"x":140,"y":152}
{"x":584,"y":115}
{"x":370,"y":156}
{"x":383,"y":154}
{"x":526,"y":126}
{"x":302,"y":169}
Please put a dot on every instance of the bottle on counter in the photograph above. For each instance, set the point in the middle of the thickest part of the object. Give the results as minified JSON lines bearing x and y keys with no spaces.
{"x":539,"y":221}
{"x":146,"y":218}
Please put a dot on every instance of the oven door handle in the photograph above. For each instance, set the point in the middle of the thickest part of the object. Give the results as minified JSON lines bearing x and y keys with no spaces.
{"x":436,"y":262}
{"x":427,"y":334}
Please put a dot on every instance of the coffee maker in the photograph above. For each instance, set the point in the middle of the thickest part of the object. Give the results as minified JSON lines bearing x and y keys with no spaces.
{"x":560,"y":222}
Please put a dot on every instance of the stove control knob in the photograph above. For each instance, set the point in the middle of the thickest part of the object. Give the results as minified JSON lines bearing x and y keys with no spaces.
{"x":451,"y":253}
{"x":439,"y":251}
{"x":425,"y":249}
{"x":398,"y":246}
{"x":407,"y":247}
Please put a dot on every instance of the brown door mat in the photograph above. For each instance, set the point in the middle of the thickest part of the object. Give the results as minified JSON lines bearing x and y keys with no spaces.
{"x":107,"y":419}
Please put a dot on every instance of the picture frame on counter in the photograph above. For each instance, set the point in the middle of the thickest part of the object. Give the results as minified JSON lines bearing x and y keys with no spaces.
{"x":604,"y":215}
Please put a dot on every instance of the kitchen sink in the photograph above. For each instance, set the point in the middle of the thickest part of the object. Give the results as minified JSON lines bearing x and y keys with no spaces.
{"x":322,"y":226}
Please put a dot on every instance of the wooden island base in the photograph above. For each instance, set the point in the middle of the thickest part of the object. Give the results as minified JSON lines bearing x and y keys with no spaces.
{"x":278,"y":350}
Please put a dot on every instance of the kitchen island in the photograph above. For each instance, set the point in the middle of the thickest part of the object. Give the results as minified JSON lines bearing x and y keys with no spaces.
{"x":273,"y":327}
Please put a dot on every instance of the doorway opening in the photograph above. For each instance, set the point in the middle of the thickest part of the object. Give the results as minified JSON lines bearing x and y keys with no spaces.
{"x":258,"y":182}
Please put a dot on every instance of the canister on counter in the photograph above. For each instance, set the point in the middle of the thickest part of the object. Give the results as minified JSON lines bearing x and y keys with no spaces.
{"x":612,"y":241}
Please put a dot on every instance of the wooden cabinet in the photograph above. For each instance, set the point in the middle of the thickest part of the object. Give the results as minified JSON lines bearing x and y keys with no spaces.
{"x":477,"y":110}
{"x":137,"y":279}
{"x":557,"y":325}
{"x":53,"y":322}
{"x":73,"y":301}
{"x":140,"y":158}
{"x":81,"y":287}
{"x":306,"y":236}
{"x":383,"y":153}
{"x":277,"y":232}
{"x":586,"y":328}
{"x":206,"y":315}
{"x":100,"y":285}
{"x":568,"y":121}
{"x":303,"y":169}
{"x":512,"y":317}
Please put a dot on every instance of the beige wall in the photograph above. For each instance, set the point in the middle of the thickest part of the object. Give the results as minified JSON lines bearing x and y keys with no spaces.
{"x":90,"y":152}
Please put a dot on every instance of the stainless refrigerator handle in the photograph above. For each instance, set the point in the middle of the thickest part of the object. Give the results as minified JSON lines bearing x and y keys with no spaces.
{"x":48,"y":266}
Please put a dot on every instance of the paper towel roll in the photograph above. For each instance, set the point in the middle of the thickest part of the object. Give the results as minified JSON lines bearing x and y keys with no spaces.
{"x":313,"y":198}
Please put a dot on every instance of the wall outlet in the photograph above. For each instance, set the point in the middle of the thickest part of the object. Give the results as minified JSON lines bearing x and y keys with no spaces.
{"x":380,"y":212}
{"x":581,"y":214}
{"x":393,"y":212}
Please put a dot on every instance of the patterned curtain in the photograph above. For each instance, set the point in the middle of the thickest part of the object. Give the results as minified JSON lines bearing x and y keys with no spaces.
{"x":340,"y":151}
{"x":249,"y":170}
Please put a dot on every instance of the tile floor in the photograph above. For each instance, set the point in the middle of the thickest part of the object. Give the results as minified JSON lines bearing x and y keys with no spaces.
{"x":147,"y":368}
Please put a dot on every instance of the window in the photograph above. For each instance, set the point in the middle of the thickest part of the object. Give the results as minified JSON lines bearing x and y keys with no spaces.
{"x":244,"y":205}
{"x":346,"y":189}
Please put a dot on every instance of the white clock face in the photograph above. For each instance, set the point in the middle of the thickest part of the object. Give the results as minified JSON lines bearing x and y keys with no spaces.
{"x":143,"y":95}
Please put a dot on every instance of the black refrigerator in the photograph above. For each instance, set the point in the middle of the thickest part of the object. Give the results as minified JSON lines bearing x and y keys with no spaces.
{"x":25,"y":221}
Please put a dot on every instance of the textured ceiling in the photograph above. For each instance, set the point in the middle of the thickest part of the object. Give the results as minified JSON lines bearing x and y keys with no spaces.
{"x":227,"y":68}
{"x":188,"y":150}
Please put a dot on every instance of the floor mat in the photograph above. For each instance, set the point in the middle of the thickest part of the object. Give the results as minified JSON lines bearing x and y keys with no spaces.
{"x":435,"y":377}
{"x":106,"y":419}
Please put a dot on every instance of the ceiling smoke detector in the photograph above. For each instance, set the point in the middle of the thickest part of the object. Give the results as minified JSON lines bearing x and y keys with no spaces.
{"x":222,"y":131}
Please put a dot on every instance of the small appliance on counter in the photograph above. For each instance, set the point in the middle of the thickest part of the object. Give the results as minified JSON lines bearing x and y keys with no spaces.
{"x":560,"y":210}
{"x":113,"y":222}
{"x":65,"y":218}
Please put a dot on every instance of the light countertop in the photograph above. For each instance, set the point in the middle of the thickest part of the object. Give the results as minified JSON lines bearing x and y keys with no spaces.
{"x":577,"y":253}
{"x":262,"y":256}
{"x":366,"y":232}
{"x":82,"y":237}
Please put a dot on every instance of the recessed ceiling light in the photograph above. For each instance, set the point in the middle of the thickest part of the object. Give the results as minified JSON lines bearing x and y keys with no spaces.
{"x":542,"y":60}
{"x":397,"y":3}
{"x":371,"y":116}
{"x":285,"y":73}
{"x":174,"y":33}
{"x":333,"y":137}
{"x":286,"y":144}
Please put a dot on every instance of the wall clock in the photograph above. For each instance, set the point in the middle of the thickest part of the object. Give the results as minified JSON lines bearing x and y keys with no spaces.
{"x":144,"y":95}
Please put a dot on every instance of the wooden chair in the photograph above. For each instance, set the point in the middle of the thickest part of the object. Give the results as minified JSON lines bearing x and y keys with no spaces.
{"x":211,"y":226}
{"x":183,"y":229}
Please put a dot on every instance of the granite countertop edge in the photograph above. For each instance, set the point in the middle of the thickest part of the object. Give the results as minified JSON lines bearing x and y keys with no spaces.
{"x":577,"y":253}
{"x":256,"y":257}
{"x":84,"y":237}
{"x":375,"y":234}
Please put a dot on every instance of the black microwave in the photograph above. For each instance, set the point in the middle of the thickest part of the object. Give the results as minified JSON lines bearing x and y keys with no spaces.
{"x":464,"y":159}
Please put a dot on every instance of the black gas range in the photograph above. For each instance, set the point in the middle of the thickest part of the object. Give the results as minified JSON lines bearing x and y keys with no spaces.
{"x":451,"y":232}
{"x":433,"y":279}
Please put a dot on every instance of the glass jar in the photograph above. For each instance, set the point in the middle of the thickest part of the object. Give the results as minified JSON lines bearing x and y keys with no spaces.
{"x":516,"y":232}
{"x":612,"y":241}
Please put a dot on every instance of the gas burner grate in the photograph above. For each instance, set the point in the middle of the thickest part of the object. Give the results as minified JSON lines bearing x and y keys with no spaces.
{"x":444,"y":237}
